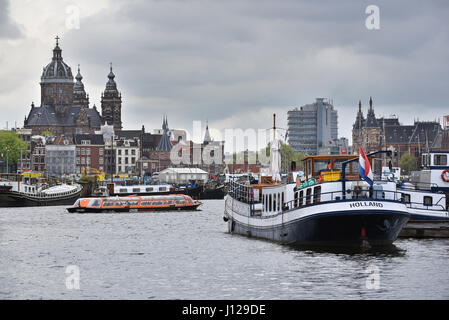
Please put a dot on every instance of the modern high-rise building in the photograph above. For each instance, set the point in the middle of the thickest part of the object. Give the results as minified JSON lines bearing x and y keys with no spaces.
{"x":313,"y":126}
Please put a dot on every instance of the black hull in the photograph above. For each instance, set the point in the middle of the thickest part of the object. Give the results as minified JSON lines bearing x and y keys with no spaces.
{"x":212,"y":194}
{"x":129,"y":210}
{"x":342,"y":229}
{"x":14,"y":199}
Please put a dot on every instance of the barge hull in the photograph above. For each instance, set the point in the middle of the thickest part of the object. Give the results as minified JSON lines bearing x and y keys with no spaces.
{"x":341,"y":229}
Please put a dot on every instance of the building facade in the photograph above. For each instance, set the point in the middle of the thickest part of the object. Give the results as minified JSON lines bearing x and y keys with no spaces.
{"x":126,"y":155}
{"x":381,"y":133}
{"x":90,"y":152}
{"x":312,"y":126}
{"x":60,"y":156}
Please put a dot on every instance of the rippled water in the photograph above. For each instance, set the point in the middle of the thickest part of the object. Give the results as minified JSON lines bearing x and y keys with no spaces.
{"x":190,"y":255}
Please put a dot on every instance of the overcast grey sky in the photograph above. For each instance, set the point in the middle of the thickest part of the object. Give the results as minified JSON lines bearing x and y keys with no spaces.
{"x":233,"y":63}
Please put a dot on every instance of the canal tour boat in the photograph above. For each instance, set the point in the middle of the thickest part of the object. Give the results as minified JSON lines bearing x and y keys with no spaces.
{"x":321,"y":211}
{"x":134,"y":204}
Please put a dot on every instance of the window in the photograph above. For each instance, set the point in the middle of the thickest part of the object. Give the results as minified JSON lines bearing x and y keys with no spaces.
{"x":133,"y":160}
{"x":427,"y":201}
{"x":440,"y":159}
{"x":83,"y":151}
{"x":133,"y":152}
{"x":83,"y":160}
{"x":126,"y":160}
{"x":136,"y":189}
{"x":270,"y":202}
{"x":126,"y":152}
{"x":316,"y":194}
{"x":77,"y":151}
{"x":308,"y":195}
{"x":123,"y":190}
{"x":301,"y":197}
{"x":88,"y":151}
{"x":296,"y":199}
{"x":119,"y":152}
{"x":149,"y":189}
{"x":405,"y":197}
{"x":101,"y":160}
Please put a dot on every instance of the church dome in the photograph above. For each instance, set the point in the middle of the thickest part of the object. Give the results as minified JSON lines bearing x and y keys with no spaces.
{"x":57,"y":70}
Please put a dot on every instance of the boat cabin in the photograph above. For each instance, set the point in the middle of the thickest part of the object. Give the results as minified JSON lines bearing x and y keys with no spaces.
{"x":435,"y":160}
{"x":329,"y":166}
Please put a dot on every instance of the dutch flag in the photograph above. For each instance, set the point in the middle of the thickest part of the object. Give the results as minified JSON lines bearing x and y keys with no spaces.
{"x":364,"y":168}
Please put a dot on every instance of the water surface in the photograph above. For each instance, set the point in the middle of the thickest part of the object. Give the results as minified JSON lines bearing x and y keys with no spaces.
{"x":190,"y":255}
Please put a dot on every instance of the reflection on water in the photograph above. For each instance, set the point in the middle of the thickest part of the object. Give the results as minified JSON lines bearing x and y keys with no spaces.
{"x":190,"y":255}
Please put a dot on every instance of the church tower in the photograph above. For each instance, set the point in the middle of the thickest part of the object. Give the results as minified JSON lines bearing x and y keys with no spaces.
{"x":371,"y":131}
{"x":80,"y":98}
{"x":57,"y":82}
{"x":111,"y":103}
{"x":357,"y":128}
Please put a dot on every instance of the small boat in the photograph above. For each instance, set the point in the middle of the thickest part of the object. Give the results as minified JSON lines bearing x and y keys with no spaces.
{"x":134,"y":204}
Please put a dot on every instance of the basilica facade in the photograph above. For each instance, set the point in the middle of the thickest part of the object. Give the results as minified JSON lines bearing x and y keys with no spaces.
{"x":64,"y":107}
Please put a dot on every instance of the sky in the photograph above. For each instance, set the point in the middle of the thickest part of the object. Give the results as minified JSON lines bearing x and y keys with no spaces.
{"x":232,"y":63}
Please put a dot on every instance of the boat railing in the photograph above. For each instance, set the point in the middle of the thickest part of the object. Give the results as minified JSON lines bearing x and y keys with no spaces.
{"x":366,"y":194}
{"x":241,"y":192}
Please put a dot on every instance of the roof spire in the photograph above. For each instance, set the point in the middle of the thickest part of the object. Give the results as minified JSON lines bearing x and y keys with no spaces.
{"x":370,"y":103}
{"x":57,"y":40}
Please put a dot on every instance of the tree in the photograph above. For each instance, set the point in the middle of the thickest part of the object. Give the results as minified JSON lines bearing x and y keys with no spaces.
{"x":287,"y":156}
{"x":11,"y":146}
{"x":408,"y":163}
{"x":46,"y":133}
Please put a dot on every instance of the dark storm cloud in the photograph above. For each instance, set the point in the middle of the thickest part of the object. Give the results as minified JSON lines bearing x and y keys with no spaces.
{"x":216,"y":60}
{"x":8,"y":29}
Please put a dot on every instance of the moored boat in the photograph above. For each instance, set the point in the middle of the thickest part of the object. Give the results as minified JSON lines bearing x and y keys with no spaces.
{"x":317,"y":212}
{"x":19,"y":191}
{"x":134,"y":204}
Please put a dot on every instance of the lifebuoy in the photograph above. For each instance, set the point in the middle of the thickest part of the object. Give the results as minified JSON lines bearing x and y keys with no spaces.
{"x":319,"y":179}
{"x":443,"y":175}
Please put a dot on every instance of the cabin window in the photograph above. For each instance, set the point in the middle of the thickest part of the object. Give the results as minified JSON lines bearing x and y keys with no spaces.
{"x":133,"y":203}
{"x":428,"y":201}
{"x":279,"y":202}
{"x":157,"y":203}
{"x":425,"y":160}
{"x":123,"y":190}
{"x":296,"y":199}
{"x":308,"y":195}
{"x":440,"y":159}
{"x":283,"y":201}
{"x":405,"y":197}
{"x":95,"y":203}
{"x":162,"y":189}
{"x":274,"y":202}
{"x":149,"y":189}
{"x":136,"y":189}
{"x":301,"y":198}
{"x":180,"y":202}
{"x":317,"y":194}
